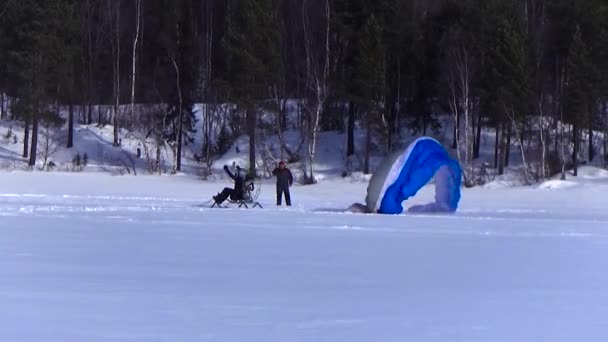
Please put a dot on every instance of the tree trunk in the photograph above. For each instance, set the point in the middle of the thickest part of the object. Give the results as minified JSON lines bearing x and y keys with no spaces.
{"x":71,"y":126}
{"x":473,"y":130}
{"x":456,"y":131}
{"x":34,"y":146}
{"x":591,"y":148}
{"x":350,"y":133}
{"x":26,"y":139}
{"x":496,"y":146}
{"x":180,"y":139}
{"x":557,"y":141}
{"x":520,"y":139}
{"x":314,"y":130}
{"x":575,"y":133}
{"x":543,"y":138}
{"x":115,"y":124}
{"x":320,"y":87}
{"x":502,"y":151}
{"x":508,"y":146}
{"x":281,"y":127}
{"x":283,"y":115}
{"x":457,"y":134}
{"x":605,"y":131}
{"x":563,"y":149}
{"x":477,"y":146}
{"x":251,"y":119}
{"x":392,"y":118}
{"x":559,"y":120}
{"x":468,"y":131}
{"x":90,"y":64}
{"x":180,"y":116}
{"x":158,"y":166}
{"x":368,"y":145}
{"x":116,"y":75}
{"x":1,"y":106}
{"x":424,"y":124}
{"x":134,"y":60}
{"x":82,"y":114}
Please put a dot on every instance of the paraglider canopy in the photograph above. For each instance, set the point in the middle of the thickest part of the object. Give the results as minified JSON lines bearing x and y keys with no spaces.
{"x":403,"y":173}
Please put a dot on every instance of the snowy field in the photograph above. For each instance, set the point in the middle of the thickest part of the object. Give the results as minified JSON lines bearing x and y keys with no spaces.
{"x":91,"y":257}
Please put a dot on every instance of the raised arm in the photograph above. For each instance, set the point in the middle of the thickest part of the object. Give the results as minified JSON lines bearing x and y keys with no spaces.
{"x":229,"y":173}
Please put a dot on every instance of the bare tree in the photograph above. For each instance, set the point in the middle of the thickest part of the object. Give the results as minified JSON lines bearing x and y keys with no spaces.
{"x":207,"y":108}
{"x":605,"y":130}
{"x":2,"y":100}
{"x":114,"y":11}
{"x":93,"y":25}
{"x":50,"y":143}
{"x":134,"y":57}
{"x":70,"y":142}
{"x":460,"y":74}
{"x":214,"y":121}
{"x":178,"y":153}
{"x":543,"y":138}
{"x":318,"y":82}
{"x":34,"y":145}
{"x":26,"y":137}
{"x":159,"y":134}
{"x":511,"y":115}
{"x":279,"y":97}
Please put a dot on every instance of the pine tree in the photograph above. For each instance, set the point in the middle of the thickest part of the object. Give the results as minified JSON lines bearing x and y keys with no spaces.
{"x":175,"y":71}
{"x":460,"y":54}
{"x":40,"y":53}
{"x":506,"y":84}
{"x":580,"y":91}
{"x":370,"y":81}
{"x":603,"y":80}
{"x":348,"y":18}
{"x":252,"y":45}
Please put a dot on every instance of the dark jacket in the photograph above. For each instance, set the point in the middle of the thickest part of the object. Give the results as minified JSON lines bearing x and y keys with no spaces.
{"x":284,"y":177}
{"x":239,"y":183}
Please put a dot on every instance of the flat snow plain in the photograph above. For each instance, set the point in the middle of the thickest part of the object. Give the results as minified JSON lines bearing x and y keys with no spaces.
{"x":91,"y":257}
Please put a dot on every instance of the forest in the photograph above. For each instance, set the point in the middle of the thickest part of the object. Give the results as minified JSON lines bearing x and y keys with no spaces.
{"x":535,"y":72}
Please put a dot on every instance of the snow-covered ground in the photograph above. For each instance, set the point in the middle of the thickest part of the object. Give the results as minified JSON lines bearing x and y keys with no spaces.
{"x":92,"y":257}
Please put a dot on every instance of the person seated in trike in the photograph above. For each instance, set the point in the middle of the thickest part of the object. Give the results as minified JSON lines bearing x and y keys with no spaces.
{"x":243,"y":185}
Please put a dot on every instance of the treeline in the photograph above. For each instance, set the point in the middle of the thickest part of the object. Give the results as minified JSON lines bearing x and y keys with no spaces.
{"x":534,"y":71}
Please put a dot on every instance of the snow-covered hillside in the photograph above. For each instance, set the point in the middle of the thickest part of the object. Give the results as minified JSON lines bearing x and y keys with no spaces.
{"x":132,"y":157}
{"x":94,"y":141}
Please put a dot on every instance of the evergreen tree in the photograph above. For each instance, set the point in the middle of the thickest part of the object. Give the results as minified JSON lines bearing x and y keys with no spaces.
{"x":506,"y":84}
{"x":580,"y":90}
{"x":175,"y":69}
{"x":40,"y":55}
{"x":369,"y":81}
{"x":252,"y":49}
{"x":348,"y":18}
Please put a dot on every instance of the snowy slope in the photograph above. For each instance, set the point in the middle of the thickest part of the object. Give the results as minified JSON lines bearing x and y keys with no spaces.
{"x":330,"y":162}
{"x":92,"y":257}
{"x":94,"y":141}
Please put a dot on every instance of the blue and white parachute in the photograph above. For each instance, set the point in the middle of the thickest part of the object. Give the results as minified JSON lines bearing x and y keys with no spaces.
{"x":402,"y":174}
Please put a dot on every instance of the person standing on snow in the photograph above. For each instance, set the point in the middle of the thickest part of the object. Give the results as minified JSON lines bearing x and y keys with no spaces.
{"x":284,"y":181}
